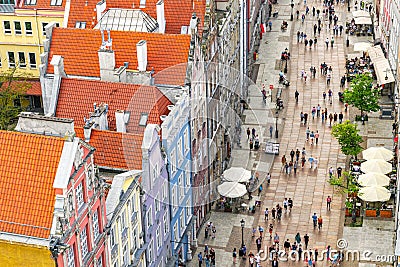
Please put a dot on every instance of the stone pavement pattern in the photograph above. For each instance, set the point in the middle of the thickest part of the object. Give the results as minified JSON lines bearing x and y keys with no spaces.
{"x":309,"y":188}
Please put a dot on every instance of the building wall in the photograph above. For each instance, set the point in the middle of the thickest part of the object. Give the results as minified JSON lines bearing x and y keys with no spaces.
{"x":85,"y":214}
{"x":14,"y":254}
{"x":176,"y":145}
{"x":156,"y":223}
{"x":124,"y":239}
{"x":26,"y":41}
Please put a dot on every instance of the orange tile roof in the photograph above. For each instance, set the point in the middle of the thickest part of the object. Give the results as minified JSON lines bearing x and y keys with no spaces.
{"x":177,"y":12}
{"x":115,"y":150}
{"x":77,"y":96}
{"x":42,"y":4}
{"x":32,"y":87}
{"x":28,"y":165}
{"x":79,"y":48}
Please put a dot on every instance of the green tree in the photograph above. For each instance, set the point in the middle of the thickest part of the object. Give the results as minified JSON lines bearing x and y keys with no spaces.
{"x":349,"y":140}
{"x":361,"y":94}
{"x":12,"y":89}
{"x":347,"y":186}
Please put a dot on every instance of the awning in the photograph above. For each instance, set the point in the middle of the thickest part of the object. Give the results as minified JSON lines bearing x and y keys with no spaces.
{"x":360,"y":13}
{"x":363,"y":21}
{"x":381,"y":65}
{"x":362,"y":46}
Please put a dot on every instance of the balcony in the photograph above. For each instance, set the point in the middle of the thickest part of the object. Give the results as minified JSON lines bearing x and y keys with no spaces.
{"x":134,"y":217}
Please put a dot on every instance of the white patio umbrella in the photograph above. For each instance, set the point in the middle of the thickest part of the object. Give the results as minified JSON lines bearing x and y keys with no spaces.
{"x":232,"y":189}
{"x":361,"y":13}
{"x":374,"y":194}
{"x":376,"y":165}
{"x":373,"y":179}
{"x":377,"y":153}
{"x":237,"y":174}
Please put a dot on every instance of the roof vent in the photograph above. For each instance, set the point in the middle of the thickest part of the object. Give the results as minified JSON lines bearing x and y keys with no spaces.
{"x":163,"y":117}
{"x":126,"y":64}
{"x":141,"y":50}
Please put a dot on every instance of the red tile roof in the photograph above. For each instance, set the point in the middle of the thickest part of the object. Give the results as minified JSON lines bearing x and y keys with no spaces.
{"x":76,"y":99}
{"x":28,"y":165}
{"x":177,"y":12}
{"x":115,"y":150}
{"x":31,"y":87}
{"x":42,"y":4}
{"x":79,"y":47}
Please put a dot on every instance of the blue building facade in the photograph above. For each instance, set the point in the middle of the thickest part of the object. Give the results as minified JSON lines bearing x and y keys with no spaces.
{"x":155,"y":209}
{"x":177,"y":148}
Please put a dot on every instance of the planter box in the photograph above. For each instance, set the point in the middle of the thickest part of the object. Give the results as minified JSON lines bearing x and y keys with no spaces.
{"x":370,"y":213}
{"x":348,"y":213}
{"x":386,"y":213}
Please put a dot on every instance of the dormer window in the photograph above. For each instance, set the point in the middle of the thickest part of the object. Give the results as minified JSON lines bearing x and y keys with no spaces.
{"x":143,"y":119}
{"x":80,"y":25}
{"x":55,"y":2}
{"x":30,"y":2}
{"x":142,"y":4}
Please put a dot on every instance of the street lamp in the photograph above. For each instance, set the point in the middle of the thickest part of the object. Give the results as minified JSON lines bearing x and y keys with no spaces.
{"x":242,"y":222}
{"x":291,"y":14}
{"x":276,"y":123}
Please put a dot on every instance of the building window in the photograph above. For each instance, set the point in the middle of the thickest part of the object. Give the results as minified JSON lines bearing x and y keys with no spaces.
{"x":157,"y":203}
{"x":32,"y":60}
{"x":80,"y":25}
{"x":17,"y":28}
{"x":84,"y":242}
{"x":173,"y":196}
{"x":44,"y":24}
{"x":123,"y":220}
{"x":181,"y":186}
{"x":112,"y":237}
{"x":143,"y":119}
{"x":125,"y":256}
{"x":181,"y":221}
{"x":96,"y":229}
{"x":56,"y":2}
{"x":79,"y":195}
{"x":28,"y":28}
{"x":164,"y":192}
{"x":11,"y":59}
{"x":100,"y":261}
{"x":166,"y":230}
{"x":30,"y":2}
{"x":134,"y":239}
{"x":21,"y":59}
{"x":71,"y":257}
{"x":176,"y":234}
{"x":180,"y":153}
{"x":173,"y":161}
{"x":149,"y":217}
{"x":186,"y":140}
{"x":155,"y":172}
{"x":188,"y":211}
{"x":158,"y":238}
{"x":188,"y":183}
{"x":150,"y":250}
{"x":7,"y":27}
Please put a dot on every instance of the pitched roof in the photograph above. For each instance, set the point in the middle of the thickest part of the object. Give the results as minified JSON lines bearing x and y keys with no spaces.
{"x":79,"y":47}
{"x":28,"y":165}
{"x":43,"y":4}
{"x":77,"y":96}
{"x":177,"y":12}
{"x":32,"y":87}
{"x":115,"y":150}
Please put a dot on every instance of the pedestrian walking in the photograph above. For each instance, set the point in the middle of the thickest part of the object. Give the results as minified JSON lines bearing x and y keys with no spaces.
{"x":310,"y":43}
{"x":290,"y":204}
{"x":303,"y":161}
{"x":339,"y":171}
{"x":268,"y":177}
{"x":340,"y":117}
{"x":305,"y":75}
{"x":308,"y":134}
{"x":312,"y":135}
{"x":335,"y":117}
{"x":297,"y":154}
{"x":313,"y":112}
{"x":315,"y":45}
{"x":275,"y":262}
{"x":328,"y":79}
{"x":303,"y":17}
{"x":306,"y":240}
{"x":332,"y":41}
{"x":283,"y":160}
{"x":316,"y":137}
{"x":324,"y":95}
{"x":248,"y":133}
{"x":323,"y":116}
{"x":315,"y":29}
{"x":295,"y":165}
{"x":260,"y":188}
{"x":314,"y":219}
{"x":253,"y":132}
{"x":328,"y":202}
{"x":276,"y":239}
{"x":315,"y":163}
{"x":200,"y":258}
{"x":330,"y":120}
{"x":296,"y":96}
{"x":311,"y":161}
{"x":305,"y":118}
{"x":261,"y":231}
{"x":214,"y":231}
{"x":234,"y":255}
{"x":258,"y":244}
{"x":266,"y":212}
{"x":292,"y":153}
{"x":270,"y":25}
{"x":327,"y":42}
{"x":331,"y":172}
{"x":273,"y":213}
{"x":251,"y":144}
{"x":298,"y":36}
{"x":301,"y":117}
{"x":320,"y":222}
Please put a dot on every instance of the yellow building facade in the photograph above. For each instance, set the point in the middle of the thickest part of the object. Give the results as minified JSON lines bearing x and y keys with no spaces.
{"x":16,"y":254}
{"x":22,"y":35}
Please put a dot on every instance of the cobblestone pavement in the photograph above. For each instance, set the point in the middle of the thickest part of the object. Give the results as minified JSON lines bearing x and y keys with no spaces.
{"x":309,"y":188}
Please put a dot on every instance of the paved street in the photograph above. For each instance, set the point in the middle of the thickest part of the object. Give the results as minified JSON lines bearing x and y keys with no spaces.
{"x":309,"y":188}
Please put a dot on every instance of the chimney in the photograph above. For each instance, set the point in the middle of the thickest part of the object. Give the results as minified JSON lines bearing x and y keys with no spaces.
{"x":87,"y":129}
{"x":121,"y":120}
{"x":141,"y":50}
{"x":100,"y":8}
{"x":99,"y":116}
{"x":106,"y":58}
{"x":58,"y":64}
{"x":160,"y":16}
{"x":193,"y":24}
